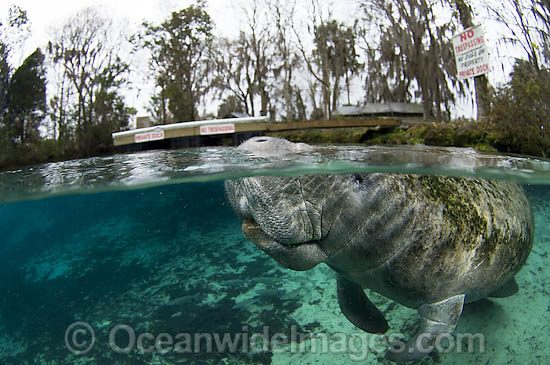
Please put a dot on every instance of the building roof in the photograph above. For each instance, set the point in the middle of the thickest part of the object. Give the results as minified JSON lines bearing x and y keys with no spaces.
{"x":381,"y":109}
{"x":239,"y":115}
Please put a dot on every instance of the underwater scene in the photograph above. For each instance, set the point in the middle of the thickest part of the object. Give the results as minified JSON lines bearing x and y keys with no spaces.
{"x":141,"y":259}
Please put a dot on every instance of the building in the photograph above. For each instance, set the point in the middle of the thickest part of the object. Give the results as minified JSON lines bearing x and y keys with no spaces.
{"x":401,"y":110}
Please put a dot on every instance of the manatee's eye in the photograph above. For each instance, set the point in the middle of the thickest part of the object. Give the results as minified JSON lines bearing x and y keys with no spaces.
{"x":261,"y":140}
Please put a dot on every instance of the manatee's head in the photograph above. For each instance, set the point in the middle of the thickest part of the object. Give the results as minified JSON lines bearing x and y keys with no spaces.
{"x":278,"y":215}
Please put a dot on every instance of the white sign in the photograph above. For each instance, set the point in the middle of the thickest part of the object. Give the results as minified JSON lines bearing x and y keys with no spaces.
{"x":155,"y":135}
{"x":472,"y":58}
{"x":217,"y":129}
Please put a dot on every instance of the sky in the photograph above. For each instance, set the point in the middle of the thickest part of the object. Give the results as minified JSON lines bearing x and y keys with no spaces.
{"x":45,"y":15}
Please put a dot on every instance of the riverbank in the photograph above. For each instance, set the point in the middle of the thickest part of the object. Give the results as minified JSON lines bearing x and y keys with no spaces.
{"x":481,"y":136}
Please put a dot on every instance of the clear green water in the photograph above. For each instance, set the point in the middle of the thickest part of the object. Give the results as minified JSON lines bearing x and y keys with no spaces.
{"x":149,"y":241}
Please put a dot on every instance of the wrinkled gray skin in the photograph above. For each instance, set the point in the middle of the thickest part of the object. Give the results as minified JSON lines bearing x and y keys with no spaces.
{"x":427,"y":242}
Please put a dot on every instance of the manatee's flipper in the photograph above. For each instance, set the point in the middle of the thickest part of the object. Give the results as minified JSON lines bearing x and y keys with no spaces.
{"x":358,"y":309}
{"x":436,"y":319}
{"x":506,"y":290}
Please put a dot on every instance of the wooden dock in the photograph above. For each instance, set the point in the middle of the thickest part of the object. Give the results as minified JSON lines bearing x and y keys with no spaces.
{"x":338,"y":123}
{"x":212,"y":132}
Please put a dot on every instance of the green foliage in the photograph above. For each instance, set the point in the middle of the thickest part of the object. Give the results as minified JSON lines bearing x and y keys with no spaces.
{"x":242,"y":67}
{"x":26,"y":100}
{"x":230,"y":105}
{"x":298,"y":107}
{"x":458,"y":134}
{"x":387,"y":136}
{"x":181,"y":50}
{"x":317,"y":114}
{"x":40,"y":151}
{"x":475,"y":135}
{"x":13,"y":31}
{"x":440,"y":135}
{"x":4,"y":78}
{"x":335,"y":44}
{"x":336,"y":58}
{"x":22,"y":91}
{"x":23,"y":110}
{"x":284,"y":61}
{"x":112,"y":115}
{"x":469,"y":134}
{"x":410,"y":55}
{"x":521,"y":111}
{"x":324,"y":135}
{"x":390,"y":136}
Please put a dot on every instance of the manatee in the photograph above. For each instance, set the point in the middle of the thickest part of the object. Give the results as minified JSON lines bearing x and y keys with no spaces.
{"x":431,"y":243}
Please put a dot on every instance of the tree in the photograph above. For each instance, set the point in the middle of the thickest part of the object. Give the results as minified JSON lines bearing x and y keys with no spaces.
{"x":481,"y":82}
{"x":230,"y":105}
{"x":26,"y":99}
{"x":235,"y":72}
{"x":112,"y":115}
{"x":528,"y":27}
{"x":13,"y":31}
{"x":20,"y":90}
{"x":61,"y":128}
{"x":244,"y":66}
{"x":4,"y":78}
{"x":86,"y":49}
{"x":541,"y":12}
{"x":181,"y":58}
{"x":520,"y":111}
{"x":286,"y":61}
{"x":334,"y":56}
{"x":260,"y":51}
{"x":413,"y":55}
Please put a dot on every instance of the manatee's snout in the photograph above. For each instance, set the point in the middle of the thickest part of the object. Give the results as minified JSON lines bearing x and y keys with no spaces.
{"x":274,"y":211}
{"x":296,"y":257}
{"x":276,"y":206}
{"x":277,"y":225}
{"x":269,"y":146}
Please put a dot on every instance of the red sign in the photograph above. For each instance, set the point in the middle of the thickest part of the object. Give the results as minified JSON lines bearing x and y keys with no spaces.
{"x":155,"y":135}
{"x":471,"y":54}
{"x":217,"y":129}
